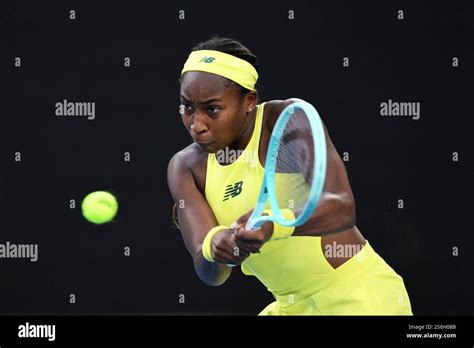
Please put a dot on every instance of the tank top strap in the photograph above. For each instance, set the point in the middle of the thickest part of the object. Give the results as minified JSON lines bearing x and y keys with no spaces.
{"x":257,"y":130}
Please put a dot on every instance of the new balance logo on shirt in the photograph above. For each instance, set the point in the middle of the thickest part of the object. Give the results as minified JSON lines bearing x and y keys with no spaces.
{"x":233,"y":190}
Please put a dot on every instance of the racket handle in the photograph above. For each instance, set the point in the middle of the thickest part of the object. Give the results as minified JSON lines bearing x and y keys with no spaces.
{"x":254,"y":224}
{"x":248,"y":226}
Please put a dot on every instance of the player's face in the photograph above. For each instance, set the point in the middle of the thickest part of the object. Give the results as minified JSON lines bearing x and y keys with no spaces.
{"x":212,"y":110}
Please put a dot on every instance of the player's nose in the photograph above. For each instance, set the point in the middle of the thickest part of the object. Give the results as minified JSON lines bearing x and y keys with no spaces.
{"x":199,"y":126}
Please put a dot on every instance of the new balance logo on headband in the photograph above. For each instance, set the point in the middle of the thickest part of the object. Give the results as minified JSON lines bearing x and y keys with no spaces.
{"x":207,"y":59}
{"x":233,"y":190}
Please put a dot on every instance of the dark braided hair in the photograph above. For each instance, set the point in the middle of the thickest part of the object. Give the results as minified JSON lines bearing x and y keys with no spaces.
{"x":233,"y":47}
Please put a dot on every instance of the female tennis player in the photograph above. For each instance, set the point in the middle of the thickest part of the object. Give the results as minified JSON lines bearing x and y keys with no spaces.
{"x":323,"y":267}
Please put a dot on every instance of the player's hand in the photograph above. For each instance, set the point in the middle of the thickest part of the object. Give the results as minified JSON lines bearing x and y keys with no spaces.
{"x":252,"y":240}
{"x":224,"y":248}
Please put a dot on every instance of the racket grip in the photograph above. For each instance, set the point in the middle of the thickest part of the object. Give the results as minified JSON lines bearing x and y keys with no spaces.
{"x":252,"y":227}
{"x":248,"y":226}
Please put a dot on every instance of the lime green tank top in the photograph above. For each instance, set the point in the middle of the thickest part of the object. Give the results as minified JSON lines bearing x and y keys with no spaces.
{"x":232,"y":190}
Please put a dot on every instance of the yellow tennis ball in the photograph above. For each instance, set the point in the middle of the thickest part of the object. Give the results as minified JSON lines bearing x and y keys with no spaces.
{"x":99,"y":207}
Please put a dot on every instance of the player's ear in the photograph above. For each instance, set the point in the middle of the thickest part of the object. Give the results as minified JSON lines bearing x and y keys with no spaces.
{"x":252,"y":99}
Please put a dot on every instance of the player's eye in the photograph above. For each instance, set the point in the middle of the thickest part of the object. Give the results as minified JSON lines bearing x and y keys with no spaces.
{"x":214,"y":109}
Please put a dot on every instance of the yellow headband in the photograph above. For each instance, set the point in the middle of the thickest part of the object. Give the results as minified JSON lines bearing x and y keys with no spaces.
{"x":223,"y":64}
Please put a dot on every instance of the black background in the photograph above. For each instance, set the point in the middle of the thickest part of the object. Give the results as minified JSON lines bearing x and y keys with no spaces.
{"x":65,"y":158}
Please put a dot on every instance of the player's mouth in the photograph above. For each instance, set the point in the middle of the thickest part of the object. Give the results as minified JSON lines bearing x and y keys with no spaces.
{"x":206,"y":146}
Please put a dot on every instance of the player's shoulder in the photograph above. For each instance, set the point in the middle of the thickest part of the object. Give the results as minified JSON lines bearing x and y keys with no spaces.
{"x":277,"y":106}
{"x":273,"y":109}
{"x":187,"y":158}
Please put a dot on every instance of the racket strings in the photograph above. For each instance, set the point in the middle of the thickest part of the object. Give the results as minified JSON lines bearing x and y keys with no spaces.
{"x":295,"y":163}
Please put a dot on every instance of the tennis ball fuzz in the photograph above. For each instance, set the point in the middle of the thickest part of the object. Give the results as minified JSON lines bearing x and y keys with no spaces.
{"x":99,"y":207}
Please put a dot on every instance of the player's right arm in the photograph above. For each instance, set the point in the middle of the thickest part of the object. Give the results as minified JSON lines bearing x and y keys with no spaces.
{"x":196,"y":219}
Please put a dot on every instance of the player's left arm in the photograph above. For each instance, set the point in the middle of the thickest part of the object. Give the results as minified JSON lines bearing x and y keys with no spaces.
{"x":336,"y":210}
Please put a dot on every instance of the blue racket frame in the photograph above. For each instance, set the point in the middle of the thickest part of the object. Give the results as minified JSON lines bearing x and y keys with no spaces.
{"x":268,"y":183}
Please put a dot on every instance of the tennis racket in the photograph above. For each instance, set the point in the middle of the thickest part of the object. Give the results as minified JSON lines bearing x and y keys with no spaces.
{"x":295,"y":168}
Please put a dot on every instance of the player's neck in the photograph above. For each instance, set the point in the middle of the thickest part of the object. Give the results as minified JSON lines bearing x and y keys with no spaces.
{"x":244,"y":138}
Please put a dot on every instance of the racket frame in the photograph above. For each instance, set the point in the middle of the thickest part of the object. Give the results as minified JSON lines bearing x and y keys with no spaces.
{"x":267,"y":191}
